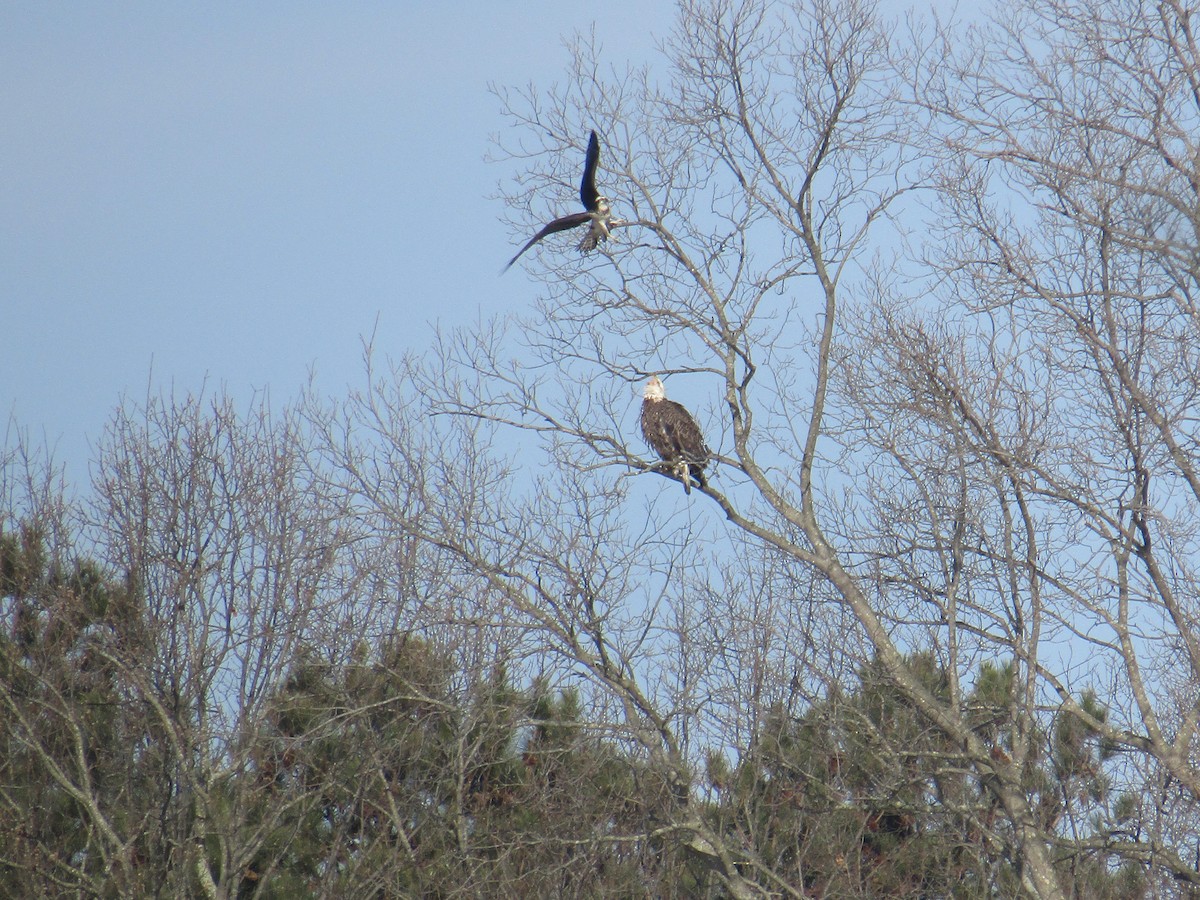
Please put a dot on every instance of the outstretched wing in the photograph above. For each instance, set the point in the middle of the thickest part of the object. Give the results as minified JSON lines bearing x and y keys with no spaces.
{"x":574,"y":220}
{"x":587,"y":188}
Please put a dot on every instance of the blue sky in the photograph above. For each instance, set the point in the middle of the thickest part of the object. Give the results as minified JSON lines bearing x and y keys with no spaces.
{"x":236,"y":193}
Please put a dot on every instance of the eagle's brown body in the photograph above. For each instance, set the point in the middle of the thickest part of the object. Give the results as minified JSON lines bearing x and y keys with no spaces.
{"x":670,"y":429}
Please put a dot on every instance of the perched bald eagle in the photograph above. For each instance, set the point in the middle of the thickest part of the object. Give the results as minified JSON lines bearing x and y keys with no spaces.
{"x":674,"y":435}
{"x":598,"y":215}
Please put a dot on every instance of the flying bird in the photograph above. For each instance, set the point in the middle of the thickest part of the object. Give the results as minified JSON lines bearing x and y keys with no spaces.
{"x":599,"y":210}
{"x":670,"y":429}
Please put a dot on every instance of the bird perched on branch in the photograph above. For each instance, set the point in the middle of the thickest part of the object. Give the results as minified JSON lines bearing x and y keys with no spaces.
{"x":670,"y":429}
{"x":598,"y":217}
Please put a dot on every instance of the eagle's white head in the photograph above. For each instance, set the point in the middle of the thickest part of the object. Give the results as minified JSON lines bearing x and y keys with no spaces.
{"x":654,"y":390}
{"x":603,"y":206}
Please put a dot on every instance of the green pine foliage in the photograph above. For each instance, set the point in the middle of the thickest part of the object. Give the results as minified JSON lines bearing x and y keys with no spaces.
{"x":80,"y":775}
{"x":860,"y":796}
{"x":404,"y":779}
{"x":397,"y":773}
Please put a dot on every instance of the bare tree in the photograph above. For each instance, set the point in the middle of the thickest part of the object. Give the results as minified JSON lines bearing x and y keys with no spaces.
{"x":931,"y":625}
{"x":944,"y":298}
{"x":545,"y":578}
{"x":1070,"y":235}
{"x":238,"y":563}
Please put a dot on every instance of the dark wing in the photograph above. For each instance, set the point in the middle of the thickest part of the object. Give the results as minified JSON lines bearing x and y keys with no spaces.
{"x":653,"y":431}
{"x":574,"y":220}
{"x":685,"y":433}
{"x":587,"y":188}
{"x":670,"y":429}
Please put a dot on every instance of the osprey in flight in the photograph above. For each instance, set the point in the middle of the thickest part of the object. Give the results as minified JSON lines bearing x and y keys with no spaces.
{"x":674,"y":435}
{"x":599,"y":210}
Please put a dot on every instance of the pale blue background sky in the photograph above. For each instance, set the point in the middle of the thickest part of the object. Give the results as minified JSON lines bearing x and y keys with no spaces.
{"x":235,"y":192}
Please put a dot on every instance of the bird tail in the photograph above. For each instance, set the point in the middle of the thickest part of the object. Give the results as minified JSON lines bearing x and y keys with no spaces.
{"x":683,"y":473}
